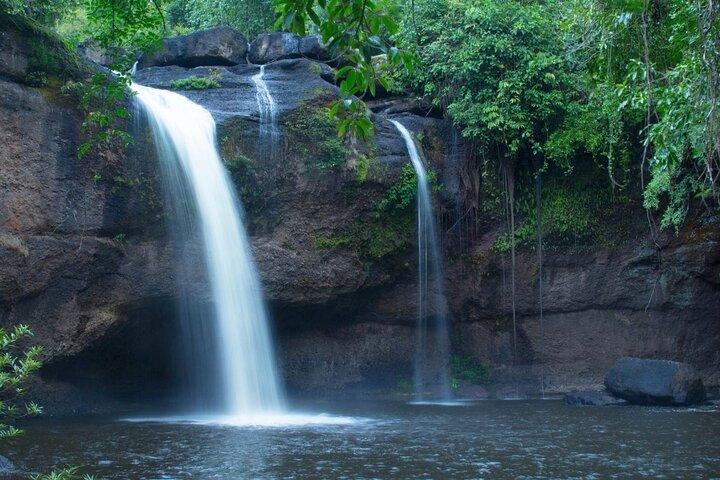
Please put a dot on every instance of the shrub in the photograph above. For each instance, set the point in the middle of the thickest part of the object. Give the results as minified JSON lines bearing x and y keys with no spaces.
{"x":469,"y":370}
{"x":197,"y":83}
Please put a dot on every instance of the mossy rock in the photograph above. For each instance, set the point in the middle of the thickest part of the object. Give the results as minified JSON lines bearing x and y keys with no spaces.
{"x":42,"y":53}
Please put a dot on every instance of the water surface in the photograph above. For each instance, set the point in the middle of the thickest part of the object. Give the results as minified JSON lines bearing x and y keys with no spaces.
{"x":490,"y":439}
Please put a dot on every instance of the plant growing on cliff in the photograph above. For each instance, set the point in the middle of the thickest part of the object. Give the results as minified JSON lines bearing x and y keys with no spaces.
{"x":198,"y":83}
{"x":357,"y":31}
{"x":16,"y":366}
{"x":469,"y":370}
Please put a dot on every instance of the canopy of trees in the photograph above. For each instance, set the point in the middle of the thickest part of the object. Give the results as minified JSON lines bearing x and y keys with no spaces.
{"x":630,"y":85}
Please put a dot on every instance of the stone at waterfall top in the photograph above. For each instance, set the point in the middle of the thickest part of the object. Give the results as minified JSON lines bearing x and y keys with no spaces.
{"x":224,"y":46}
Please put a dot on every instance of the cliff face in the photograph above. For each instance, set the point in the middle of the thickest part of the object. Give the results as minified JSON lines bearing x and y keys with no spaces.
{"x":85,"y":259}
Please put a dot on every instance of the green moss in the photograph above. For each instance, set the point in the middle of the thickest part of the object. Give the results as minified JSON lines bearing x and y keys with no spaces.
{"x":579,"y":213}
{"x":314,"y":135}
{"x":386,"y":229}
{"x":244,"y":175}
{"x":48,"y":55}
{"x":196,"y":83}
{"x":381,"y":238}
{"x":315,"y":68}
{"x":469,"y":370}
{"x":331,"y":242}
{"x":362,"y":168}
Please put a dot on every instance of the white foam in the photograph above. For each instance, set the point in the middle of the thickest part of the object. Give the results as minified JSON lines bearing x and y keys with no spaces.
{"x":263,"y":419}
{"x":443,"y":403}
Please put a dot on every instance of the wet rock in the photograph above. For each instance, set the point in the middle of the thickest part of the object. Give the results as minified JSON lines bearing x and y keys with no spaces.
{"x":274,"y":46}
{"x":215,"y":46}
{"x":282,"y":45}
{"x":6,"y":466}
{"x":21,"y":45}
{"x":594,"y":398}
{"x":655,"y":382}
{"x":312,"y":47}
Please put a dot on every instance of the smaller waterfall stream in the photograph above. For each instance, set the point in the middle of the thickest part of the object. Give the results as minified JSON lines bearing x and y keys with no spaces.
{"x":269,"y":133}
{"x":429,"y":273}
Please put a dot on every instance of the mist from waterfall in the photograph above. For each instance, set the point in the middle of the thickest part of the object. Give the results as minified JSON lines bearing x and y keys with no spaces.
{"x":234,"y":348}
{"x":431,"y":364}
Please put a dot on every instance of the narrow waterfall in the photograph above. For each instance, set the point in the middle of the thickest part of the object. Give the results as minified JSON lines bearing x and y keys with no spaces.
{"x":429,"y":306}
{"x":269,"y":133}
{"x":243,"y":360}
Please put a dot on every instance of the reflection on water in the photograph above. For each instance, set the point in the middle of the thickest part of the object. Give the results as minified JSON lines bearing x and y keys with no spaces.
{"x":492,"y":439}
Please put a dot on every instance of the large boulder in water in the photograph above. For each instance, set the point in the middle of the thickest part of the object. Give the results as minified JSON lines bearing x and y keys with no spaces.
{"x":282,"y":45}
{"x":215,"y":46}
{"x":655,"y":382}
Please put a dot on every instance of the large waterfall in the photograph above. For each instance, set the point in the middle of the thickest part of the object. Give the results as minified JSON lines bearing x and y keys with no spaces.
{"x":243,"y":361}
{"x":431,"y":367}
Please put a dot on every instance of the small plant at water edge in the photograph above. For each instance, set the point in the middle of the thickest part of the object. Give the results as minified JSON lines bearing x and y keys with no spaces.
{"x":15,"y":368}
{"x":469,"y":370}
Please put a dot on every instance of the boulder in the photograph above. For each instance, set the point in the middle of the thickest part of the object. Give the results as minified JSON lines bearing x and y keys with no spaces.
{"x":274,"y":46}
{"x":655,"y":382}
{"x":313,"y":48}
{"x":282,"y":45}
{"x":6,"y":466}
{"x":594,"y":398}
{"x":215,"y":46}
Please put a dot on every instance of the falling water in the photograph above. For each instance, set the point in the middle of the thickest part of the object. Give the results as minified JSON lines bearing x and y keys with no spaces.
{"x":243,"y":361}
{"x":269,"y":133}
{"x":429,"y":271}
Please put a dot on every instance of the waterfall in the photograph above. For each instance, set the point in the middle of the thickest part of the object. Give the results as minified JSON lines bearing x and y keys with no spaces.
{"x":269,"y":133}
{"x":429,"y":271}
{"x":242,"y":362}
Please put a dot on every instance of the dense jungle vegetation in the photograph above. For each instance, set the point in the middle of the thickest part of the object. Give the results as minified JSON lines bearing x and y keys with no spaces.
{"x":622,"y":91}
{"x":626,"y":85}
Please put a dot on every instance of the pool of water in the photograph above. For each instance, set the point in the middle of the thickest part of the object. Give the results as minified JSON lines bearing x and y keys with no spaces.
{"x":489,"y":439}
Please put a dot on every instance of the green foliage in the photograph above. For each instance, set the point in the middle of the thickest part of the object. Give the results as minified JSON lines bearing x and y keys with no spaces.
{"x":631,"y":84}
{"x":387,"y":229}
{"x":657,"y":63}
{"x":469,"y":370}
{"x":244,"y":175}
{"x":497,"y":67}
{"x":401,"y":195}
{"x":15,"y":368}
{"x":362,"y":168}
{"x":313,"y":130}
{"x":67,"y":473}
{"x":45,"y":12}
{"x":104,"y":99}
{"x":580,"y":212}
{"x":325,"y":242}
{"x":134,"y":25}
{"x":356,"y":30}
{"x":197,"y":83}
{"x":250,"y":17}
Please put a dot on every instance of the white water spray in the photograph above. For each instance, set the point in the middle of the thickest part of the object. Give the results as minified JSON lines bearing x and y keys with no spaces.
{"x":184,"y":134}
{"x":429,"y":271}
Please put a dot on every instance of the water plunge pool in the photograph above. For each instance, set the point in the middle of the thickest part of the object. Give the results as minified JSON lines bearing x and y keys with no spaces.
{"x":488,"y":439}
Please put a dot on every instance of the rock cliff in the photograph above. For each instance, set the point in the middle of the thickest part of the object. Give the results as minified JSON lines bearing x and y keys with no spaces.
{"x":86,"y":261}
